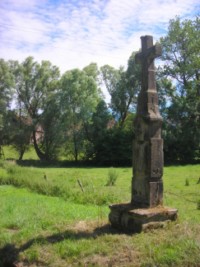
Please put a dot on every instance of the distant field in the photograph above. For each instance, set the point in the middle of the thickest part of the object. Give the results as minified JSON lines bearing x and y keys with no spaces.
{"x":48,"y":219}
{"x":30,"y":154}
{"x":10,"y":153}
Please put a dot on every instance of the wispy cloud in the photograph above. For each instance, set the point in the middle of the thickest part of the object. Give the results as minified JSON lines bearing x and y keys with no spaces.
{"x":74,"y":33}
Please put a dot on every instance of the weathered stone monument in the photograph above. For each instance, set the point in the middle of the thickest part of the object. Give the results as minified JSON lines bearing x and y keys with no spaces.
{"x":146,"y":208}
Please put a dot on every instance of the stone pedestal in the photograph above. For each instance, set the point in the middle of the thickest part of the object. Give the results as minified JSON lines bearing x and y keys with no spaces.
{"x":129,"y":219}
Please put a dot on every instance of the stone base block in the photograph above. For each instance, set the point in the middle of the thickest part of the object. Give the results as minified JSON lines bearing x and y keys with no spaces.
{"x":129,"y":219}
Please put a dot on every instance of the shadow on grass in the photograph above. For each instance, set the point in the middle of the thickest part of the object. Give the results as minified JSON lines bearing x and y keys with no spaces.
{"x":9,"y":253}
{"x":54,"y":164}
{"x":69,"y":164}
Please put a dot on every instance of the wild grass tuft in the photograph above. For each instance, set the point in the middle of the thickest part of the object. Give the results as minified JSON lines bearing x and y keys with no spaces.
{"x":112,"y":177}
{"x":32,"y":255}
{"x":187,"y":183}
{"x":198,"y":204}
{"x":58,"y":184}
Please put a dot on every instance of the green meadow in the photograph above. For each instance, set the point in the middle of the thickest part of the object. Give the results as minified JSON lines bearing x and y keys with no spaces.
{"x":58,"y":216}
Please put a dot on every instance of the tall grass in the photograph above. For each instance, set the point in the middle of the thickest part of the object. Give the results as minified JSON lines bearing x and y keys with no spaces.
{"x":67,"y":226}
{"x":112,"y":177}
{"x":58,"y":182}
{"x":37,"y":230}
{"x":65,"y":183}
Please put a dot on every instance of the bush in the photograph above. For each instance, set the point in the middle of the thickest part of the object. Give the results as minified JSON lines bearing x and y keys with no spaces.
{"x":187,"y":183}
{"x":112,"y":177}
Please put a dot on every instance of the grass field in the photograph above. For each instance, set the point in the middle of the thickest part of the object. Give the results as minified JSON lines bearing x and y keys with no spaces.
{"x":58,"y":217}
{"x":10,"y":153}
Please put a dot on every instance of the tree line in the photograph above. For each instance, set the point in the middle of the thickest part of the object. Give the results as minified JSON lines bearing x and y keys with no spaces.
{"x":67,"y":114}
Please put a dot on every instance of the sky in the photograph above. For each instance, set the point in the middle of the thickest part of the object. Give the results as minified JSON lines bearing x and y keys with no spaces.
{"x":73,"y":33}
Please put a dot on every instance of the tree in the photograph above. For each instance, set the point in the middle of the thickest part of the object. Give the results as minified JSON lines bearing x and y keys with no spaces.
{"x":79,"y":98}
{"x":35,"y":84}
{"x":19,"y":131}
{"x":123,"y":87}
{"x":114,"y":146}
{"x":52,"y":127}
{"x":181,"y":56}
{"x":6,"y":84}
{"x":97,"y":129}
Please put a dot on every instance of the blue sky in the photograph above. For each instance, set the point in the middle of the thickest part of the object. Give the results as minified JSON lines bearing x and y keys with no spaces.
{"x":74,"y":33}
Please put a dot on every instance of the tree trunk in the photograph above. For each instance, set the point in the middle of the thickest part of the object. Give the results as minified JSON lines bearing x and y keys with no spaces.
{"x":21,"y":153}
{"x":40,"y":154}
{"x":75,"y":147}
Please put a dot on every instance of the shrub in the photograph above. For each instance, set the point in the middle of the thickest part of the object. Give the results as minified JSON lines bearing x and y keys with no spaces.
{"x":112,"y":177}
{"x":187,"y":183}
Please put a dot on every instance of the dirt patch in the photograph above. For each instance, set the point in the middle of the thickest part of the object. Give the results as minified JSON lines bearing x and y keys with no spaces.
{"x":94,"y":228}
{"x":83,"y":226}
{"x":123,"y":258}
{"x":12,"y":230}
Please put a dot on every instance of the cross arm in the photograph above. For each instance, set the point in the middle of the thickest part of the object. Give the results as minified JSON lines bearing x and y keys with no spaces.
{"x":155,"y":51}
{"x":151,"y":53}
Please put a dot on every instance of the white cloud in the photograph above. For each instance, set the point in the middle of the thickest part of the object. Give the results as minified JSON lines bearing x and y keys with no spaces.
{"x":74,"y":33}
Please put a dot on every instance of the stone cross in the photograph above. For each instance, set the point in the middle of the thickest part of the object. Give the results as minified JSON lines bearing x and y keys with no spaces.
{"x":146,"y":210}
{"x":147,"y":185}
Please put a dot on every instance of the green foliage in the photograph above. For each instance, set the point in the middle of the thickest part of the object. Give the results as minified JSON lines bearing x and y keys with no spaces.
{"x":19,"y":132}
{"x":114,"y":148}
{"x":181,"y":65}
{"x":97,"y":129}
{"x":123,"y":87}
{"x":187,"y":183}
{"x":6,"y":83}
{"x":112,"y":177}
{"x":110,"y":145}
{"x":53,"y":136}
{"x":78,"y":100}
{"x":35,"y":85}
